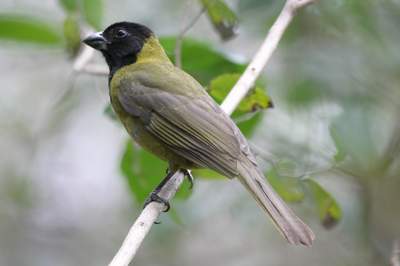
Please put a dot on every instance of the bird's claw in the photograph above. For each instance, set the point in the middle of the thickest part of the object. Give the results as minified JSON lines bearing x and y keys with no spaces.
{"x":155,"y":197}
{"x":189,"y":176}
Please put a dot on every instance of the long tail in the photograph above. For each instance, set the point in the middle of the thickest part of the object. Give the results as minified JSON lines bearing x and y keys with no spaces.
{"x":292,"y":228}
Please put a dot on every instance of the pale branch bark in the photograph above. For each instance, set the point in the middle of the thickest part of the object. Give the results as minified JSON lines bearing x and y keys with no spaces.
{"x":83,"y":58}
{"x":179,"y":38}
{"x":149,"y":215}
{"x":96,"y":69}
{"x":143,"y":223}
{"x":82,"y":64}
{"x":260,"y":59}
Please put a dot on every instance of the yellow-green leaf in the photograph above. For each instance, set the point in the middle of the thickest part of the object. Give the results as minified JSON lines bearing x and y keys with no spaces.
{"x":206,"y":174}
{"x":144,"y":171}
{"x":255,"y":99}
{"x":328,"y":209}
{"x":69,"y":5}
{"x":93,"y":12}
{"x":29,"y":30}
{"x":248,"y":125}
{"x":222,"y":17}
{"x":289,"y":188}
{"x":72,"y":34}
{"x":200,"y":60}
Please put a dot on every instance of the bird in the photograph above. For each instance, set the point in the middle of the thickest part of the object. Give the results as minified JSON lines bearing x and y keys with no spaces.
{"x":168,"y":113}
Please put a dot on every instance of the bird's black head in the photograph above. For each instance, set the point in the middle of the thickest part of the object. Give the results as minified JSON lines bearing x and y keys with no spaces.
{"x":119,"y":43}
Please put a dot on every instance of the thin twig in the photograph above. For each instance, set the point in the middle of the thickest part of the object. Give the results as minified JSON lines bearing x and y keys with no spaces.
{"x":150,"y":214}
{"x":86,"y":53}
{"x":83,"y":58}
{"x":96,"y":69}
{"x":262,"y":56}
{"x":82,"y":61}
{"x":179,"y":38}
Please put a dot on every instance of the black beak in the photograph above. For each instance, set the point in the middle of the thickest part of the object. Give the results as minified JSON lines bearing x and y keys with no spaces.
{"x":96,"y":40}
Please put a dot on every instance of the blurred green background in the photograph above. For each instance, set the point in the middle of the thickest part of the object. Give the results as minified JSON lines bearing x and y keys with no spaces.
{"x":71,"y":182}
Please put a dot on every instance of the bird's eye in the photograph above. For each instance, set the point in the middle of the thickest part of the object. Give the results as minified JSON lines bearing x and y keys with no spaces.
{"x":121,"y":34}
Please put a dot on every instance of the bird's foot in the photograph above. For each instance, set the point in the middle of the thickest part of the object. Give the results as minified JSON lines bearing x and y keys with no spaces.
{"x":189,"y":176}
{"x":155,"y":197}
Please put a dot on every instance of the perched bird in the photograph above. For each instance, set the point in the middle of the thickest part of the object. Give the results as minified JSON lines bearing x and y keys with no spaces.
{"x":167,"y":112}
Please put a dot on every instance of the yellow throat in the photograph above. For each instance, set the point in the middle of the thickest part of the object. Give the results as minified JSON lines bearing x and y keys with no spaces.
{"x":152,"y":51}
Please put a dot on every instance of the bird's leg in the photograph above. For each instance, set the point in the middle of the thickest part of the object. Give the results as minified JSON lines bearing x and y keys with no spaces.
{"x":154,"y":194}
{"x":189,"y":176}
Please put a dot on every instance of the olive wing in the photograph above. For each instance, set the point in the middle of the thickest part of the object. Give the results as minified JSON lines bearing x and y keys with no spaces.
{"x":190,"y":123}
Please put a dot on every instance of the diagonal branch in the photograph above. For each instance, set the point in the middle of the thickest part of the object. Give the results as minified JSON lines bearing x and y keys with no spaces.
{"x":260,"y":59}
{"x":143,"y":223}
{"x":83,"y":58}
{"x":96,"y":69}
{"x":150,"y":214}
{"x":85,"y":55}
{"x":82,"y":64}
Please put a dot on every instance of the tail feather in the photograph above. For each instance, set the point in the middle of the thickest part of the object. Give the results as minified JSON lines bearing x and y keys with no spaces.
{"x":292,"y":228}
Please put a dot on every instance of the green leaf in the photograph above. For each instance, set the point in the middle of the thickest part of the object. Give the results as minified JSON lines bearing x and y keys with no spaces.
{"x":69,"y":5}
{"x":289,"y":188}
{"x":328,"y":209}
{"x":72,"y":34}
{"x":144,"y":171}
{"x":248,"y":126}
{"x":28,"y":29}
{"x":255,"y":99}
{"x":207,"y":174}
{"x":222,"y":17}
{"x":93,"y":12}
{"x":200,"y":60}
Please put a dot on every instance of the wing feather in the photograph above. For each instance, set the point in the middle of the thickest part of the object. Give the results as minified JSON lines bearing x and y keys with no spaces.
{"x":192,"y":126}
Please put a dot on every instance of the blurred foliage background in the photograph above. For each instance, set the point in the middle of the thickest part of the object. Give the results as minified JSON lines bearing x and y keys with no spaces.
{"x":71,"y":181}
